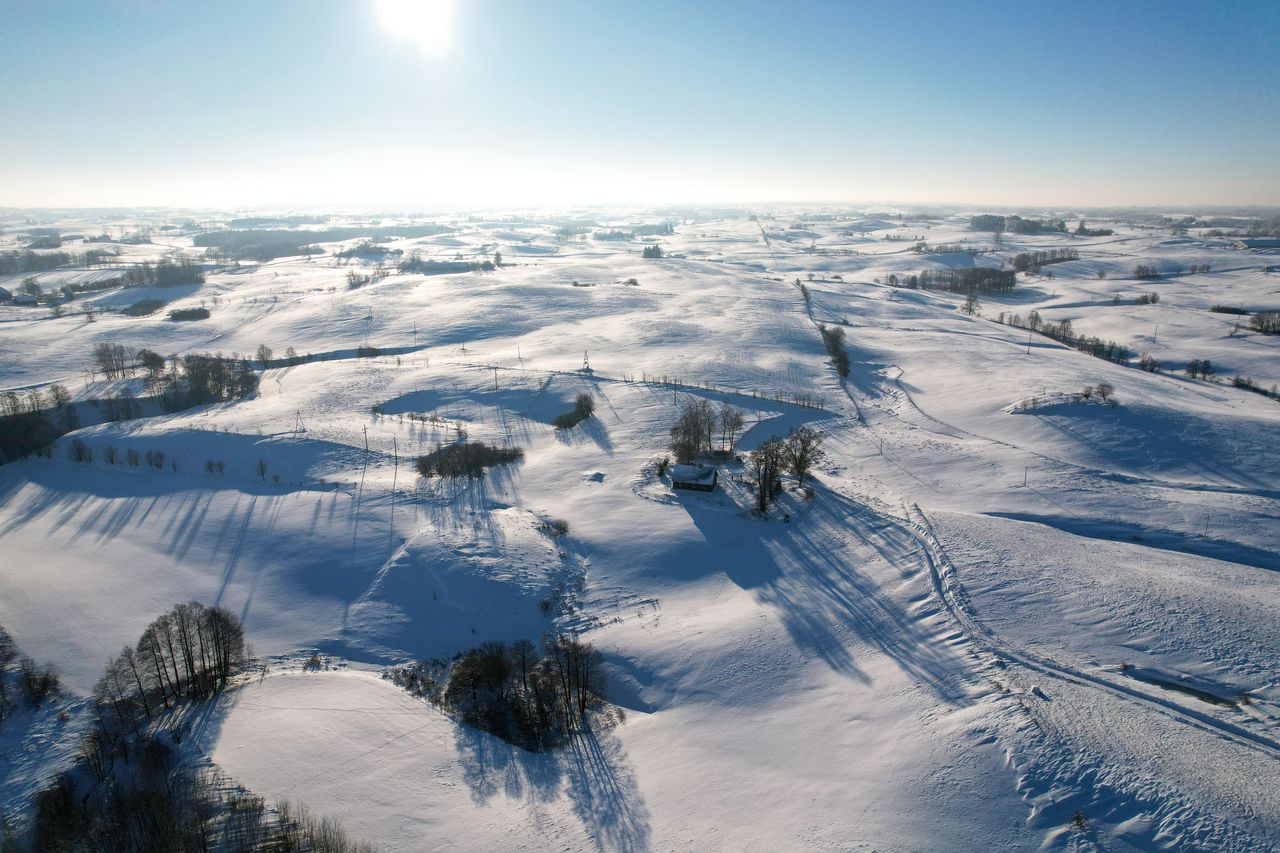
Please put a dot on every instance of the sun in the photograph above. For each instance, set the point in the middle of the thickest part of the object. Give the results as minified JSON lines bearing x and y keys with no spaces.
{"x":428,"y":24}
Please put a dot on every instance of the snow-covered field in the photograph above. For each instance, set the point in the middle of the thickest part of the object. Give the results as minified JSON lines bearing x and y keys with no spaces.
{"x":990,"y":626}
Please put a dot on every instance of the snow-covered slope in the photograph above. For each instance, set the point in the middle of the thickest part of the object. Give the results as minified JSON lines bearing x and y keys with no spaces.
{"x":990,"y":624}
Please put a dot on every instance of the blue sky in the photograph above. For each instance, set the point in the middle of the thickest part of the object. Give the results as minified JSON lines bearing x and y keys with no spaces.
{"x":530,"y":102}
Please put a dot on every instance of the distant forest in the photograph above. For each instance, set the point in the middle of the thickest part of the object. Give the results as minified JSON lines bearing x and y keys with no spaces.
{"x":265,"y":244}
{"x":16,"y":262}
{"x":1016,"y":224}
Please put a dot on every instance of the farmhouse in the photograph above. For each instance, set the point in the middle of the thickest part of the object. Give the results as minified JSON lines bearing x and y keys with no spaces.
{"x":698,"y":478}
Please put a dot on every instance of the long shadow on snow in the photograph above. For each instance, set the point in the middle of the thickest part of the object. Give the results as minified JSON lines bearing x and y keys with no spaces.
{"x":106,"y":507}
{"x":807,"y":570}
{"x":1154,"y":537}
{"x":460,"y":505}
{"x":592,"y":768}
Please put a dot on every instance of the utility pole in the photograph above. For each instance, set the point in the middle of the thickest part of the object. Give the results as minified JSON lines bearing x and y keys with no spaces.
{"x":1025,"y":468}
{"x":1028,"y":342}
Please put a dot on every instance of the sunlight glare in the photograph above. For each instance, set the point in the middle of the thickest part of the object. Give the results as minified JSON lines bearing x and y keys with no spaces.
{"x":427,"y":24}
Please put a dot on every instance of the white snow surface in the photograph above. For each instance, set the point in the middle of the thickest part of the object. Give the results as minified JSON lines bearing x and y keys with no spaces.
{"x":987,"y":627}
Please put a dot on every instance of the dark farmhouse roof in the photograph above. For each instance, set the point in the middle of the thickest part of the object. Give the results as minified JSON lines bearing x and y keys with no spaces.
{"x":693,"y":477}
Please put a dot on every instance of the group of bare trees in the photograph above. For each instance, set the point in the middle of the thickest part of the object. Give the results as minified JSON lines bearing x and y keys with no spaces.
{"x":1200,"y":368}
{"x":31,"y":422}
{"x":699,"y":423}
{"x":22,"y":678}
{"x":187,"y":653}
{"x":797,"y":454}
{"x":1266,"y":322}
{"x":534,"y":700}
{"x":465,"y":459}
{"x":1033,"y":261}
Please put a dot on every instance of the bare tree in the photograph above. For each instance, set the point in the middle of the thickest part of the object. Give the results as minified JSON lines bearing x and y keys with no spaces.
{"x":766,"y":463}
{"x":804,"y":450}
{"x":730,"y":419}
{"x":693,"y":430}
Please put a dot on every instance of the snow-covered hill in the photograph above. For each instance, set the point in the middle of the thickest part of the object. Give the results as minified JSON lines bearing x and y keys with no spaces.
{"x":1006,"y":615}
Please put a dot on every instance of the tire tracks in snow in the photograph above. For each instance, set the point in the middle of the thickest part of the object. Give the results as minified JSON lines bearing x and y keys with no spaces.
{"x":954,"y":598}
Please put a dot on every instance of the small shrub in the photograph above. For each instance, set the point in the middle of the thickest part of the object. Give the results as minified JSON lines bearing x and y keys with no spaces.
{"x":180,"y":314}
{"x":584,"y":405}
{"x":367,"y":352}
{"x":555,"y":527}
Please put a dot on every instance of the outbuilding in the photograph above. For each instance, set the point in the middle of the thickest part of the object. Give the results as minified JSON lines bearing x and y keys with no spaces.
{"x":698,"y":478}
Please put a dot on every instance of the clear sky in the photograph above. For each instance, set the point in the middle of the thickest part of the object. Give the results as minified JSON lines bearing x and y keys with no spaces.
{"x":430,"y":103}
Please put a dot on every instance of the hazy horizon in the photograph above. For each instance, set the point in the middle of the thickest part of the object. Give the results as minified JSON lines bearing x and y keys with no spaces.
{"x":381,"y":104}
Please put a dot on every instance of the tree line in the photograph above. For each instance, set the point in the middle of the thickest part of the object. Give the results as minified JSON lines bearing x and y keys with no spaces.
{"x":1064,"y":333}
{"x":12,"y":262}
{"x":1033,"y":261}
{"x":833,"y":340}
{"x":974,"y":279}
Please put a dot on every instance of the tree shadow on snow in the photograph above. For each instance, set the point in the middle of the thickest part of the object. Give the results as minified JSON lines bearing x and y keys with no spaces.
{"x":591,"y":771}
{"x":811,"y":571}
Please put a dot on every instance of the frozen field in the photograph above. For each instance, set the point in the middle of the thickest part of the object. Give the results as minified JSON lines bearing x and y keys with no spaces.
{"x":991,"y":625}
